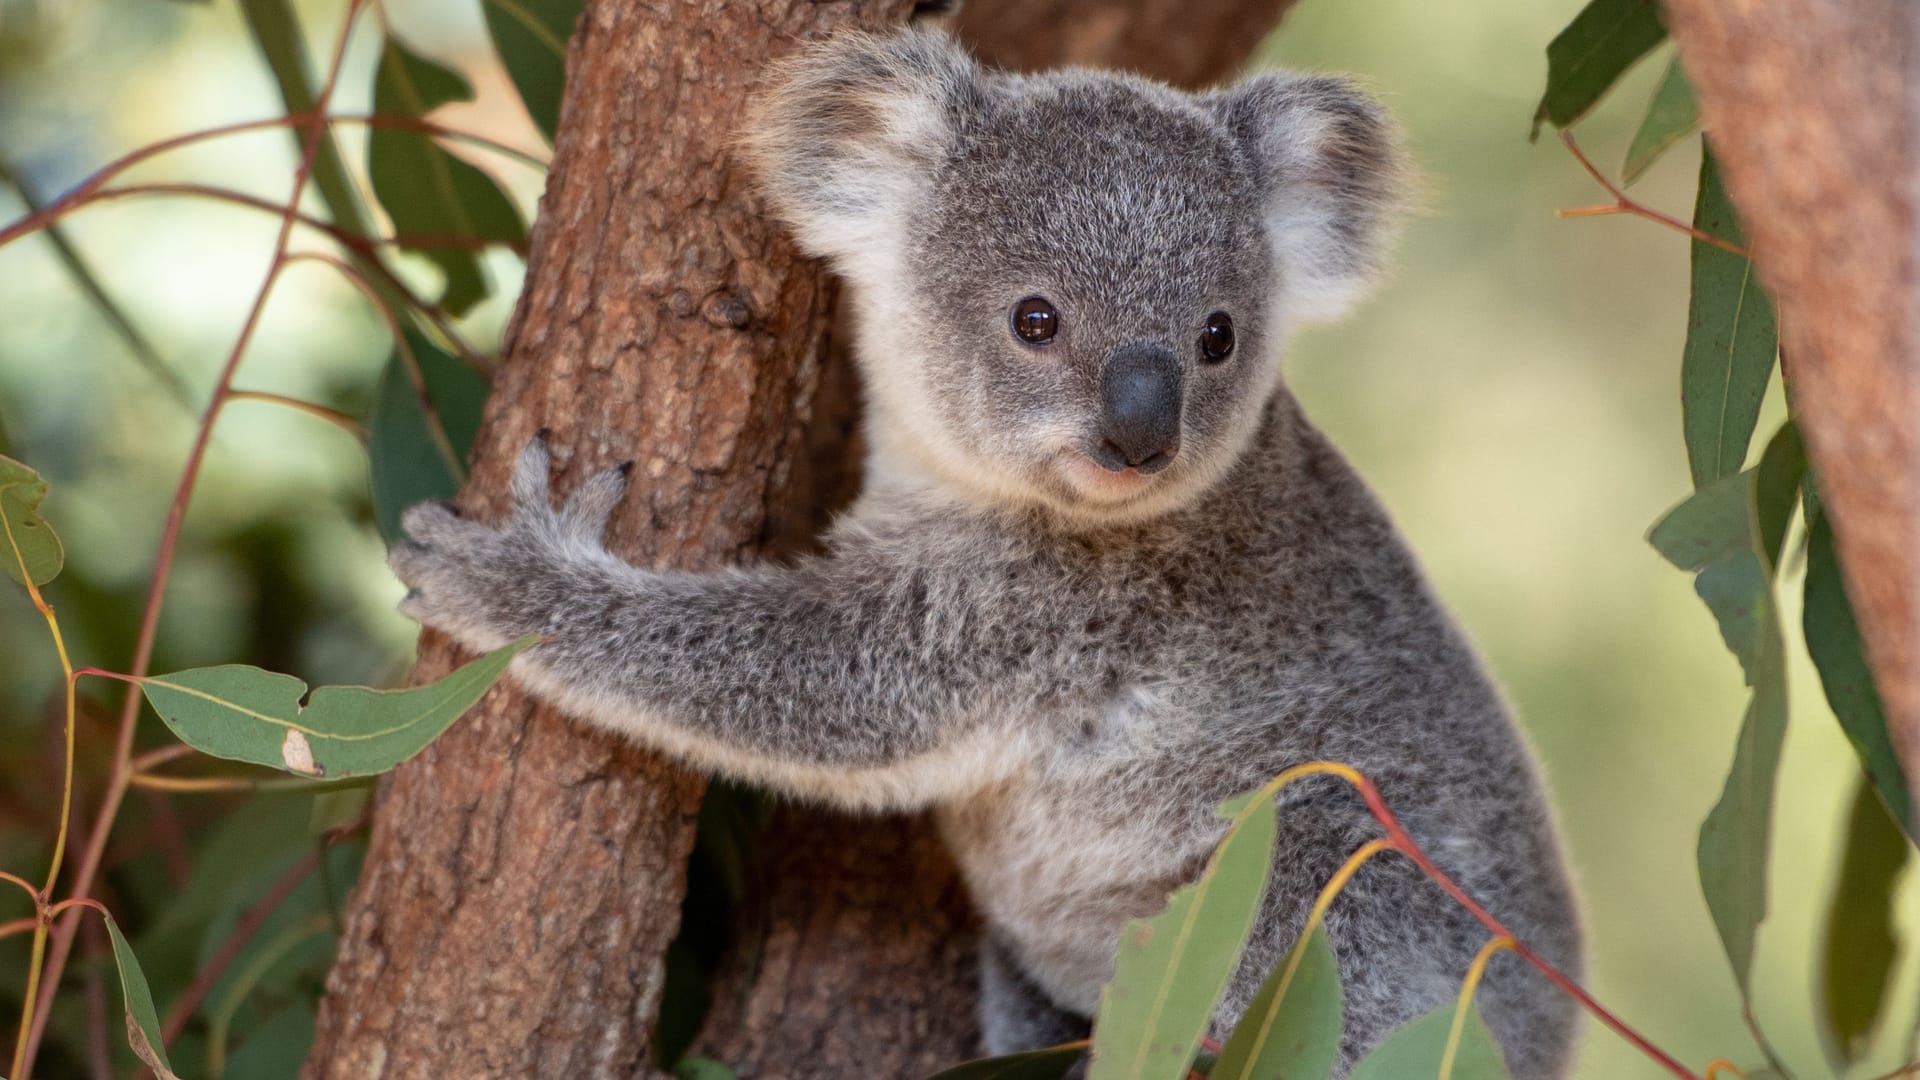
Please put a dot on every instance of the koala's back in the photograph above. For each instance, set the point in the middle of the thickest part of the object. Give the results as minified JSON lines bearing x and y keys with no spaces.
{"x":1279,"y":620}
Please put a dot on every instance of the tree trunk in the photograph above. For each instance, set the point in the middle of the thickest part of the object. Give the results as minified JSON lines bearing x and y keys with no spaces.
{"x":1813,"y":107}
{"x":525,"y":874}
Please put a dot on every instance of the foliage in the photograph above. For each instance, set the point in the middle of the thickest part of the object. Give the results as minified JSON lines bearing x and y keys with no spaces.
{"x":236,"y":951}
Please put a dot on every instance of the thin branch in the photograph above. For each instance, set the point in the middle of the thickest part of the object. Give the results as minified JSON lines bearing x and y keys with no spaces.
{"x":332,"y":416}
{"x":1622,"y":204}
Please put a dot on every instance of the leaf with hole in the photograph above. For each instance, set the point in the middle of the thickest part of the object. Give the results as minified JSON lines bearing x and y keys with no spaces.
{"x":1291,"y":1029}
{"x":426,"y":191}
{"x":1418,"y":1048}
{"x":1171,"y":970}
{"x":1596,"y":48}
{"x":531,"y":38}
{"x":419,"y":430}
{"x":143,"y":1024}
{"x":33,"y":551}
{"x":1672,"y":115}
{"x":245,"y":714}
{"x":1839,"y":654}
{"x":1049,"y":1064}
{"x":1731,"y":341}
{"x":1856,"y":958}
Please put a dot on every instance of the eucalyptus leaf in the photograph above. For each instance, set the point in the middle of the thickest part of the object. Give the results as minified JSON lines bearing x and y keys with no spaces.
{"x":1595,"y":49}
{"x":1291,"y":1030}
{"x":420,"y":429}
{"x":1049,"y":1064}
{"x":426,"y":191}
{"x":143,"y":1024}
{"x":1729,"y":534}
{"x":1833,"y":639}
{"x":1856,"y":956}
{"x":1672,"y":115}
{"x":1171,"y":970}
{"x":33,"y":551}
{"x":245,"y":714}
{"x":531,"y":38}
{"x":1416,"y":1050}
{"x":1731,"y":341}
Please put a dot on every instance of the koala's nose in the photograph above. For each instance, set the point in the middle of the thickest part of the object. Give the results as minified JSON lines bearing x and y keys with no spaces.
{"x":1139,"y":409}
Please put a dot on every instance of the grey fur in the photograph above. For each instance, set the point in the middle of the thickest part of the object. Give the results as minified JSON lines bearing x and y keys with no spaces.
{"x":1072,"y":670}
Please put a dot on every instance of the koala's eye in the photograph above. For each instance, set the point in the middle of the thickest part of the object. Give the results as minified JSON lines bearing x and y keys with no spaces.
{"x":1216,"y":337}
{"x":1035,"y":321}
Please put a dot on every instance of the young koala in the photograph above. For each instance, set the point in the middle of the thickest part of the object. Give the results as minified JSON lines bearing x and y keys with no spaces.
{"x":1103,"y":574}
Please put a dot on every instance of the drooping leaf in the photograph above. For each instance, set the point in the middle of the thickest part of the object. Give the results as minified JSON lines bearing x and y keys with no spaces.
{"x":699,"y":1068}
{"x":1856,"y":959}
{"x":1833,"y":639}
{"x":427,"y":191}
{"x":143,"y":1024}
{"x":1731,"y":341}
{"x":1583,"y":61}
{"x":1728,"y":534}
{"x":419,"y":430}
{"x":1292,"y":1028}
{"x":1672,"y":115}
{"x":33,"y":551}
{"x":531,"y":38}
{"x":245,"y":714}
{"x":1048,"y":1064}
{"x":1418,"y":1047}
{"x":1171,"y":970}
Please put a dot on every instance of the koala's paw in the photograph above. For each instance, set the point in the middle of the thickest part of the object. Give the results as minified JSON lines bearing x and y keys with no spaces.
{"x":486,"y":585}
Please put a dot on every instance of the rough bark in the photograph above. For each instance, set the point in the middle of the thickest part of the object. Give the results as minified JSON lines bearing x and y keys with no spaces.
{"x":1813,"y":108}
{"x":1191,"y":43}
{"x":524,"y":874}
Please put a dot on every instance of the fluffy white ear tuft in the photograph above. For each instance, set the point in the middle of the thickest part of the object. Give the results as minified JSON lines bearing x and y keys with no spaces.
{"x":848,"y":130}
{"x":1329,"y":165}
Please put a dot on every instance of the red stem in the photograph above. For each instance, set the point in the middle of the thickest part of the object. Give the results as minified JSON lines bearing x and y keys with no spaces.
{"x":62,"y":944}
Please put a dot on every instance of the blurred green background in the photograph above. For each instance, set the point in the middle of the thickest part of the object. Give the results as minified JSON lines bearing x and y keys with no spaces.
{"x":1512,"y":392}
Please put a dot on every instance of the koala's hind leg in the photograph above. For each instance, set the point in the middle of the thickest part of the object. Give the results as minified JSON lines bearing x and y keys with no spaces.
{"x":1015,"y":1014}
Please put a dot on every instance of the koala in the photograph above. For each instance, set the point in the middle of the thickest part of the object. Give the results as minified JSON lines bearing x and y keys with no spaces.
{"x":1102,"y":575}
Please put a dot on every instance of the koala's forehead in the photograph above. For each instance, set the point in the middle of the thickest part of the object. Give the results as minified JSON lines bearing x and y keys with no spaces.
{"x":1120,"y":190}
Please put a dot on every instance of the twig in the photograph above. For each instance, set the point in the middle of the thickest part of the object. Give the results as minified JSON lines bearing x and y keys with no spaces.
{"x":94,"y":983}
{"x":332,"y":416}
{"x":1623,"y":205}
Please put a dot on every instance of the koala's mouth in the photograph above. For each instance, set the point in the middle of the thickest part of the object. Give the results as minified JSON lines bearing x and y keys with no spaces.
{"x":1094,"y":482}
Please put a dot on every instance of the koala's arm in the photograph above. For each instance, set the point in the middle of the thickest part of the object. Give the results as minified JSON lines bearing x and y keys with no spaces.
{"x":869,"y":678}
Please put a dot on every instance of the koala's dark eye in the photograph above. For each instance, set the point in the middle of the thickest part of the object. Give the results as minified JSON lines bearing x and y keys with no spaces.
{"x":1035,"y":321}
{"x":1216,"y":337}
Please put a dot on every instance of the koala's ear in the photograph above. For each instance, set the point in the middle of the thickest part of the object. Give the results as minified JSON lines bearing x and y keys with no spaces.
{"x":848,"y":130}
{"x":1330,"y":170}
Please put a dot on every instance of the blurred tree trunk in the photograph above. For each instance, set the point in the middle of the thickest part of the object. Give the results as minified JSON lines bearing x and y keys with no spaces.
{"x":1814,"y":110}
{"x":525,"y":875}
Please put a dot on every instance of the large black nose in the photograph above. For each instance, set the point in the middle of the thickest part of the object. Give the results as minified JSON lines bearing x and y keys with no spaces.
{"x":1139,"y":409}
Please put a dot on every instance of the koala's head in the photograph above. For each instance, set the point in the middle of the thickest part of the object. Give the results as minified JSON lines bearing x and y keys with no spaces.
{"x":1072,"y":288}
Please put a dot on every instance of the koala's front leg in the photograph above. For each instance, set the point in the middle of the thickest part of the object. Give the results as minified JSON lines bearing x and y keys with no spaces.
{"x":829,"y":679}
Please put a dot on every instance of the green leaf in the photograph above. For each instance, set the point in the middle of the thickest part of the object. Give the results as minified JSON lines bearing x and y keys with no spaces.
{"x":143,"y":1024}
{"x":1170,"y":970}
{"x":1672,"y":115}
{"x":1833,"y":639}
{"x":1601,"y":43}
{"x":1733,"y":554}
{"x":275,"y":1048}
{"x":1857,"y":958}
{"x":699,"y":1068}
{"x":1292,"y":1027}
{"x":531,"y":37}
{"x":419,"y":432}
{"x":245,"y":714}
{"x":1049,"y":1064}
{"x":33,"y":550}
{"x":424,"y":189}
{"x":1731,"y":341}
{"x":1417,"y":1048}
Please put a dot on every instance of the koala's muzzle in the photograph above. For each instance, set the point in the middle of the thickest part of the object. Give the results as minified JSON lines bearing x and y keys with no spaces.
{"x":1139,"y":409}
